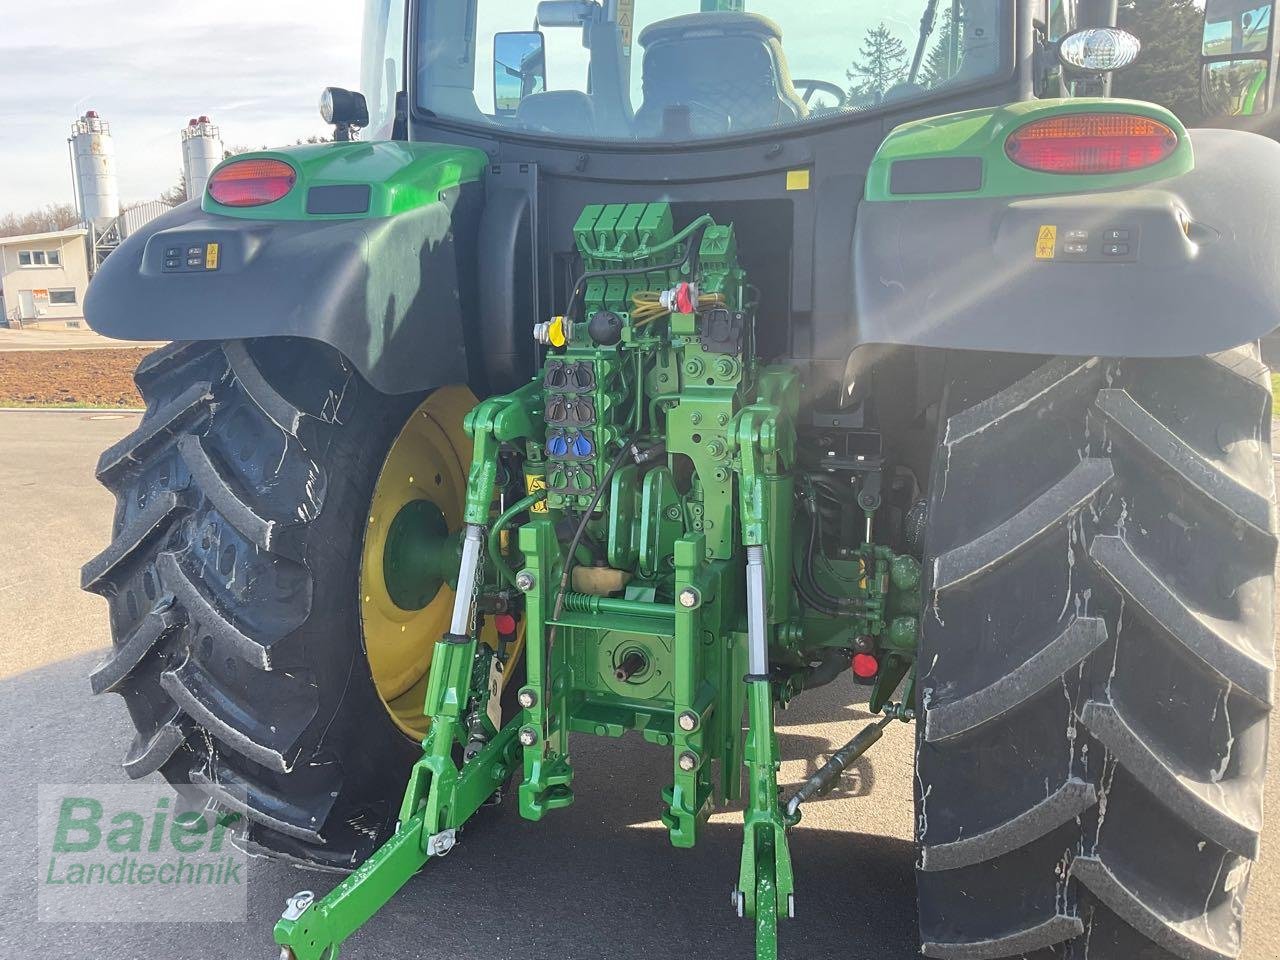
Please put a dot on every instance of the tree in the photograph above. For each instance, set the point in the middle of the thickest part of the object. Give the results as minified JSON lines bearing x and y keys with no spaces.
{"x":177,"y":193}
{"x":882,"y":63}
{"x":1168,"y":69}
{"x":53,"y":216}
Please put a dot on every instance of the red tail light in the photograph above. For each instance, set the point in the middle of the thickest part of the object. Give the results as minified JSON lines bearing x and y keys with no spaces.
{"x":865,"y":666}
{"x":251,"y":183}
{"x":1091,"y":143}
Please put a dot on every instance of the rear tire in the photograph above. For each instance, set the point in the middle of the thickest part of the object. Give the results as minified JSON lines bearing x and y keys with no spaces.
{"x":1096,"y":659}
{"x":232,"y":581}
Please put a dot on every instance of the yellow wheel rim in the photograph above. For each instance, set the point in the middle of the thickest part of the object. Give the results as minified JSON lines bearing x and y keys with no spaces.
{"x":428,"y":462}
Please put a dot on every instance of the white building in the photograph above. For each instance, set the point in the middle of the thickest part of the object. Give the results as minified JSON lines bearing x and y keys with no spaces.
{"x":43,"y":278}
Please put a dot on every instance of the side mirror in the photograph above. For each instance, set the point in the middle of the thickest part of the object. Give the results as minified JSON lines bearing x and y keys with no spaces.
{"x":346,"y":110}
{"x":519,"y":69}
{"x":1237,"y":58}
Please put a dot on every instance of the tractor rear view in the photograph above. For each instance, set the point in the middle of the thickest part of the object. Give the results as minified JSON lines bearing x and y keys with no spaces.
{"x":622,"y":383}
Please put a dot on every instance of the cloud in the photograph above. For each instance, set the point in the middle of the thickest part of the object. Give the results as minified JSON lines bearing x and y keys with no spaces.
{"x":148,"y":67}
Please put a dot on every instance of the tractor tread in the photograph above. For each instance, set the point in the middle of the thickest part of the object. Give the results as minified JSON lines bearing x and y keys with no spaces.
{"x":1063,"y":805}
{"x":196,"y":694}
{"x":255,"y":528}
{"x":178,"y":413}
{"x":200,"y":608}
{"x":150,"y":521}
{"x":1179,"y":937}
{"x":236,"y":793}
{"x":265,"y":397}
{"x":156,"y":625}
{"x":148,"y":754}
{"x":1215,"y":810}
{"x":1211,"y":480}
{"x":1016,"y":944}
{"x":1196,"y":632}
{"x":1133,"y":611}
{"x":1051,"y":509}
{"x":1243,"y":362}
{"x":1081,"y":637}
{"x":1049,"y":381}
{"x":158,"y":364}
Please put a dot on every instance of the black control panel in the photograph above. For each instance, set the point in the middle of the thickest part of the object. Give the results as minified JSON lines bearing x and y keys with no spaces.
{"x":192,"y":257}
{"x":1112,"y":244}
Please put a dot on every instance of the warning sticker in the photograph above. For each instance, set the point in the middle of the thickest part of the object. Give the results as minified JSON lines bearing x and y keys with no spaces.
{"x":211,"y":257}
{"x":798,"y":179}
{"x":626,"y":23}
{"x":533,"y":482}
{"x":1046,"y":242}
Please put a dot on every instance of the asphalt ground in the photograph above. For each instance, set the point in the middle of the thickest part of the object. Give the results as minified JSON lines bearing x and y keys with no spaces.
{"x":598,"y":880}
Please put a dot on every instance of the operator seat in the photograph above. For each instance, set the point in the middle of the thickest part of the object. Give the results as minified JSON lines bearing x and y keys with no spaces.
{"x":715,"y":73}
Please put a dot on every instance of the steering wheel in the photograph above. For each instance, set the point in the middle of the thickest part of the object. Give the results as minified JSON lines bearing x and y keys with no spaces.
{"x":807,"y":88}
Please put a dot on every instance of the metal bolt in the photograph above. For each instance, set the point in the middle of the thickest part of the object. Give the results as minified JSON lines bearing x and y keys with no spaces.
{"x":526,"y":581}
{"x":688,"y":761}
{"x":689,"y":598}
{"x":688,"y":721}
{"x":695,"y":418}
{"x":528,"y":736}
{"x":527,"y":699}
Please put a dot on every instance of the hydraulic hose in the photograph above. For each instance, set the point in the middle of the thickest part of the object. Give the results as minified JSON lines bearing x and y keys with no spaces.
{"x":562,"y":588}
{"x":495,"y":535}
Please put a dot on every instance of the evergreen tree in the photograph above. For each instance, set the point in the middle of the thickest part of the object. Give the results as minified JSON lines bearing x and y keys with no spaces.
{"x":937,"y":68}
{"x":1168,"y":69}
{"x":882,"y":63}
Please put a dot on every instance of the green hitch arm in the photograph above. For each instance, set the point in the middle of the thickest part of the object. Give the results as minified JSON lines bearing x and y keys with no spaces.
{"x":311,"y":927}
{"x":498,"y":420}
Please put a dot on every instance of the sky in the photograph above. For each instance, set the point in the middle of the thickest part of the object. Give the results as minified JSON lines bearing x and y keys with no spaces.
{"x":147,"y":66}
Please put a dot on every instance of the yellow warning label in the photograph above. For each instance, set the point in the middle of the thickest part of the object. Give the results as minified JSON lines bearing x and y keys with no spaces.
{"x":533,"y":482}
{"x":626,"y":23}
{"x":211,"y":257}
{"x":1046,"y":242}
{"x":797,"y":179}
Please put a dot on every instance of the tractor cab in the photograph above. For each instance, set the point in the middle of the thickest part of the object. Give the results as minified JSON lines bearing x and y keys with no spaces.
{"x":659,"y":72}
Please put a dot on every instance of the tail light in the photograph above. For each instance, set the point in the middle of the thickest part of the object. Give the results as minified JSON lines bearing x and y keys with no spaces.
{"x":1091,"y":143}
{"x":865,"y":666}
{"x":251,"y":183}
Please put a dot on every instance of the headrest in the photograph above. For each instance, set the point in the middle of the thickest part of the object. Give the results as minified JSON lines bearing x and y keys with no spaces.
{"x":710,"y":24}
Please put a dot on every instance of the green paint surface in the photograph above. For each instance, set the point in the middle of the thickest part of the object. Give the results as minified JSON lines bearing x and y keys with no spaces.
{"x":401,"y":177}
{"x":982,"y":133}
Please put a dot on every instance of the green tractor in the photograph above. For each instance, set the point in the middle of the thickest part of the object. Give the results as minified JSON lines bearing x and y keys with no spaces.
{"x":629,"y":376}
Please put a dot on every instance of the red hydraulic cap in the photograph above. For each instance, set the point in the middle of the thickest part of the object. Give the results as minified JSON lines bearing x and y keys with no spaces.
{"x":204,"y":119}
{"x":505,"y":623}
{"x":865,"y":666}
{"x":192,"y":122}
{"x":91,"y":114}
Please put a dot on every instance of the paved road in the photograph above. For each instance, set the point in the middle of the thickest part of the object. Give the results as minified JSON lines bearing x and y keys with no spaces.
{"x":599,"y":881}
{"x":69,"y":339}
